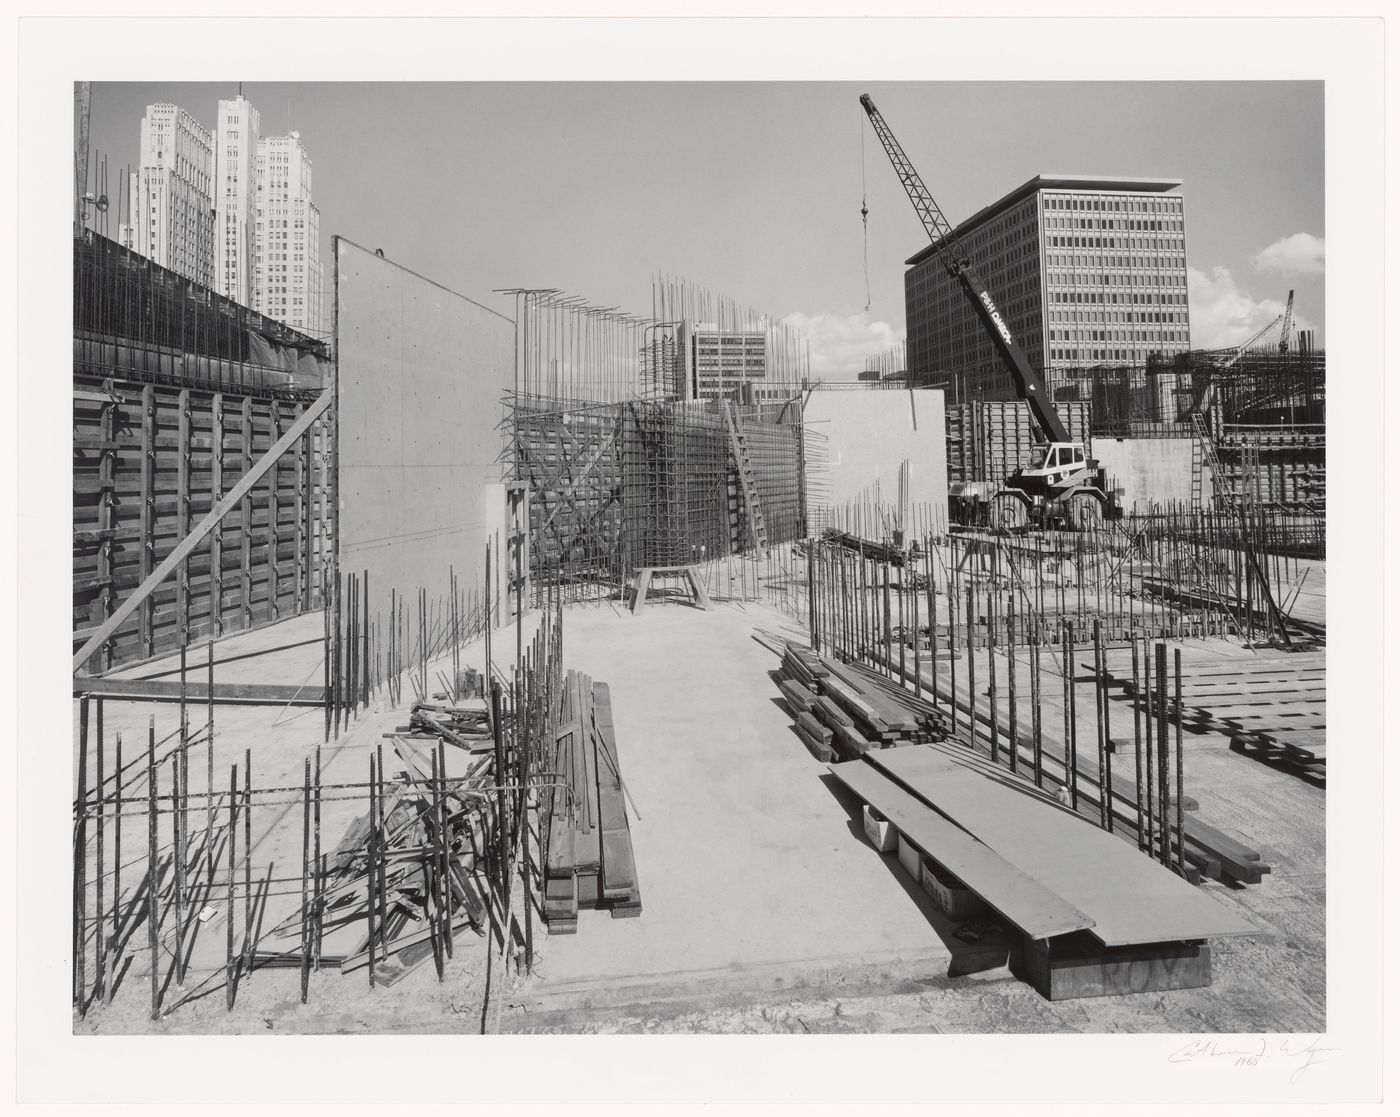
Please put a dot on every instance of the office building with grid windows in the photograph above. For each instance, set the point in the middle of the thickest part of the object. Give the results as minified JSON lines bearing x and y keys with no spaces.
{"x":172,"y":218}
{"x":1086,"y":270}
{"x":718,"y":361}
{"x":288,"y":235}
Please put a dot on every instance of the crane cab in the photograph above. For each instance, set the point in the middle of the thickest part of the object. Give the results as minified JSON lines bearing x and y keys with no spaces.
{"x":1061,"y":466}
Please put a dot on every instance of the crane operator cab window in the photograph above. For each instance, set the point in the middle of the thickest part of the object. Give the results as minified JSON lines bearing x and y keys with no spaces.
{"x":1064,"y":457}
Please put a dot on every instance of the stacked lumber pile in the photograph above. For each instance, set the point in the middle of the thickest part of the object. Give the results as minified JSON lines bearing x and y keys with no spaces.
{"x":842,"y":710}
{"x":588,"y":843}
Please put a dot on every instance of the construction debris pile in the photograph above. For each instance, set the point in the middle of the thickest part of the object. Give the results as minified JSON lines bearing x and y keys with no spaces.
{"x":588,"y":842}
{"x":404,"y":879}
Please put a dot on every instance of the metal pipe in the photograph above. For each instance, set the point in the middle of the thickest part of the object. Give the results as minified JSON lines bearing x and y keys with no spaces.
{"x":153,"y":883}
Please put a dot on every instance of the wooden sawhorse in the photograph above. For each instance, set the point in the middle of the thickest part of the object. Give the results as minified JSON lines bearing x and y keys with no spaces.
{"x":687,"y":573}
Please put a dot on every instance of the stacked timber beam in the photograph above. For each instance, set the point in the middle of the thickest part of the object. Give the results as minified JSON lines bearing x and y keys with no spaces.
{"x":841,"y":713}
{"x":588,"y":843}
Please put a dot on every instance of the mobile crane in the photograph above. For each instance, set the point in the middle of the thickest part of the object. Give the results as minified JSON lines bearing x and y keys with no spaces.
{"x":1063,"y":485}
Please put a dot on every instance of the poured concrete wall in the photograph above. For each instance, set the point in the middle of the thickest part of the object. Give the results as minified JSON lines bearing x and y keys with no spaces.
{"x":1150,"y":470}
{"x":857,"y":441}
{"x":420,"y":376}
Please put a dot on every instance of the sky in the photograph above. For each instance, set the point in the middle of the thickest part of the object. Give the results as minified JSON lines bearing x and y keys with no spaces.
{"x":754,"y":190}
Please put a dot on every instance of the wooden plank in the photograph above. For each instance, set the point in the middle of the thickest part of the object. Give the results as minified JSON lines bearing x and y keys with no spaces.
{"x":163,"y":690}
{"x":1131,"y":898}
{"x":1018,"y":898}
{"x":640,"y":594}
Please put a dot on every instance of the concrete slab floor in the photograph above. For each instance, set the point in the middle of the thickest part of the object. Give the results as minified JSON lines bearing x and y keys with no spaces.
{"x":764,"y":908}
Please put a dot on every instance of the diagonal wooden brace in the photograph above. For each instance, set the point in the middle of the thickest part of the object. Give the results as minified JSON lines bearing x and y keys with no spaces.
{"x":187,"y":545}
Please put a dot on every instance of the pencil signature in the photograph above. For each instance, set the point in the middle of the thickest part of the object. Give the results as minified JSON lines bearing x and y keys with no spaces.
{"x":1300,"y":1052}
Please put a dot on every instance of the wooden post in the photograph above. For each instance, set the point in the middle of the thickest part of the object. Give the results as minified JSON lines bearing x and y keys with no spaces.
{"x":245,"y":517}
{"x":152,"y":870}
{"x":371,"y":877}
{"x":1142,"y":829}
{"x":106,"y":525}
{"x":1012,"y":742}
{"x":148,"y":514}
{"x":216,"y":538}
{"x":80,"y":865}
{"x":971,"y":671}
{"x":230,"y":973}
{"x":1037,"y":744}
{"x":305,"y":877}
{"x":182,"y":516}
{"x":99,"y":906}
{"x":114,"y":953}
{"x":1163,"y":777}
{"x":992,"y":673}
{"x":247,"y":960}
{"x":300,"y":537}
{"x":1180,"y":794}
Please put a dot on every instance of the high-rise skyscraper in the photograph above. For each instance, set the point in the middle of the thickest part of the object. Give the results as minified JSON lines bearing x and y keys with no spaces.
{"x":235,"y":199}
{"x":172,"y":219}
{"x":288,"y":235}
{"x":1086,"y":270}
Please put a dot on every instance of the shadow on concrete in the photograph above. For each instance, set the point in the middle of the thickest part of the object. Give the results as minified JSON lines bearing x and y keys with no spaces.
{"x":991,"y":951}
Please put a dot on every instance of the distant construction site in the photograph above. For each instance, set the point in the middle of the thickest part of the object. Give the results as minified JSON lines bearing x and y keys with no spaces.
{"x":519,"y":663}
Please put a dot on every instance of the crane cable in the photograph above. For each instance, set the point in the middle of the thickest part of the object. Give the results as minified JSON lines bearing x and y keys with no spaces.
{"x":864,"y":215}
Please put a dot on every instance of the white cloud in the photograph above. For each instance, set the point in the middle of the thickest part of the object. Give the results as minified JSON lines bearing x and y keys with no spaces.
{"x":1223,"y":314}
{"x":840,"y":343}
{"x":1299,"y":254}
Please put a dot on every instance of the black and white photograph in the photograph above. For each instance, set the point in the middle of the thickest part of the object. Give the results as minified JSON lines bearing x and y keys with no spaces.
{"x":826,"y":535}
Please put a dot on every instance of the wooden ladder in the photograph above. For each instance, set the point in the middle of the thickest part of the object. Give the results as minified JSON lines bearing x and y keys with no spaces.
{"x":758,"y":529}
{"x":1203,"y":446}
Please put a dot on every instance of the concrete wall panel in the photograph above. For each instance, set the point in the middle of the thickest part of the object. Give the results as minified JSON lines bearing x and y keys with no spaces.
{"x":1149,"y":470}
{"x":420,"y":376}
{"x":857,"y":441}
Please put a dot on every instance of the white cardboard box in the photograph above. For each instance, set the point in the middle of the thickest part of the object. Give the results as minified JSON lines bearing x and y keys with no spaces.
{"x":881,"y":832}
{"x":952,"y":899}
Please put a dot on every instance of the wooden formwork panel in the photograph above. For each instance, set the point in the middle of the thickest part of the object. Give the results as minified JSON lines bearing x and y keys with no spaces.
{"x":150,"y":461}
{"x":991,"y":439}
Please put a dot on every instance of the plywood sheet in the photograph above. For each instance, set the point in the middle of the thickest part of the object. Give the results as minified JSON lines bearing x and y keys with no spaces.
{"x":1130,"y":898}
{"x":1029,"y":905}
